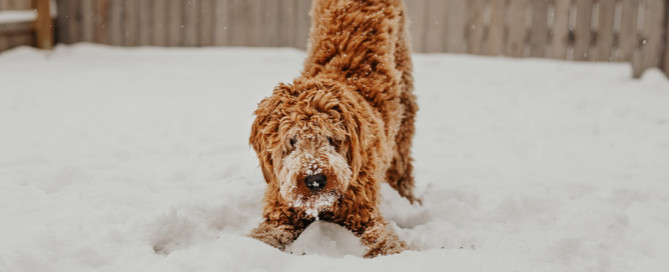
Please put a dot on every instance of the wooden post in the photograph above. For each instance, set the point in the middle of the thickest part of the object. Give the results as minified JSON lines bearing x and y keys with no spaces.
{"x":43,"y":25}
{"x":665,"y":64}
{"x":650,"y":53}
{"x":303,"y":23}
{"x":476,"y":26}
{"x":515,"y":44}
{"x":87,"y":21}
{"x":539,"y":29}
{"x":496,"y":27}
{"x":560,"y":40}
{"x":604,"y":41}
{"x":456,"y":11}
{"x":159,"y":27}
{"x":583,"y":31}
{"x":628,"y":34}
{"x":416,"y":17}
{"x":436,"y":26}
{"x":222,"y":25}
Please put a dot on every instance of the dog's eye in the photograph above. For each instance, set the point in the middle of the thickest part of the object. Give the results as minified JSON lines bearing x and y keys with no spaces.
{"x":293,"y":141}
{"x":331,"y":141}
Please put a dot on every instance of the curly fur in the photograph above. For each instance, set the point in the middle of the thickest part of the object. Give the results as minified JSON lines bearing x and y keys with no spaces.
{"x":348,"y":116}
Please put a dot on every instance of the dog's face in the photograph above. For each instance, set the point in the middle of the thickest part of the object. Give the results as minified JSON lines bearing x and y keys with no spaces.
{"x":306,"y":136}
{"x":312,"y":171}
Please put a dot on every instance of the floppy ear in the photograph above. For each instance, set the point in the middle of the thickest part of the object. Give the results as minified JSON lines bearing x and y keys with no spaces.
{"x":361,"y":129}
{"x":265,"y":130}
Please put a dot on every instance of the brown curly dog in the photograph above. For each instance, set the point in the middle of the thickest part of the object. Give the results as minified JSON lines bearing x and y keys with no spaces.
{"x":327,"y":141}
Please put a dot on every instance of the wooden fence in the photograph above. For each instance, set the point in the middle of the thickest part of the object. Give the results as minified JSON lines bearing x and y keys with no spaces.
{"x":15,"y":33}
{"x":632,"y":31}
{"x":583,"y":30}
{"x":26,"y":22}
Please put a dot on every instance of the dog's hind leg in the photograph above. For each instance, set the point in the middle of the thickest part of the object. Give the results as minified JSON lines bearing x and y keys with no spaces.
{"x":400,"y":173}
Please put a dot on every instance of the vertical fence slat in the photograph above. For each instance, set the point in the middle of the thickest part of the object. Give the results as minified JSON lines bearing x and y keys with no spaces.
{"x":286,"y":11}
{"x":87,"y":21}
{"x":268,"y":30}
{"x":235,"y":27}
{"x":652,"y":37}
{"x":252,"y":22}
{"x":174,"y":24}
{"x":115,"y":22}
{"x":539,"y":29}
{"x":130,"y":28}
{"x":665,"y":61}
{"x":74,"y":24}
{"x":206,"y":26}
{"x":144,"y":35}
{"x":457,"y":26}
{"x":496,"y":28}
{"x":4,"y":42}
{"x":604,"y":41}
{"x":248,"y":24}
{"x":101,"y":21}
{"x":515,"y":45}
{"x":416,"y":11}
{"x":61,"y":22}
{"x":475,"y":21}
{"x":262,"y":31}
{"x":435,"y":27}
{"x":159,"y":23}
{"x":303,"y":23}
{"x":44,"y":24}
{"x":4,"y":38}
{"x":628,"y":26}
{"x":272,"y":22}
{"x":190,"y":10}
{"x":560,"y":37}
{"x":222,"y":22}
{"x":583,"y":31}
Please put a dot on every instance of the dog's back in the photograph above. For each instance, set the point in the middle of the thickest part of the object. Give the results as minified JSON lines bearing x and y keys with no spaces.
{"x":351,"y":40}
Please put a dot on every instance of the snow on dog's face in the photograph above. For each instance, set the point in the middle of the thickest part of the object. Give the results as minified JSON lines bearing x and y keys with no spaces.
{"x":312,"y":173}
{"x":306,"y":137}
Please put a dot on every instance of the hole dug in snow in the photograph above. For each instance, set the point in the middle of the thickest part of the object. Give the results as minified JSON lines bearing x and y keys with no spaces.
{"x":182,"y":228}
{"x":173,"y":231}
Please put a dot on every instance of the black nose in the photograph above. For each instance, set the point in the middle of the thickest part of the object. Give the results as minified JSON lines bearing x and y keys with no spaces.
{"x":315,"y":182}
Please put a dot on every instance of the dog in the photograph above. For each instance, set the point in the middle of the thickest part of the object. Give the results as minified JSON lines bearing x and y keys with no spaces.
{"x":327,"y":140}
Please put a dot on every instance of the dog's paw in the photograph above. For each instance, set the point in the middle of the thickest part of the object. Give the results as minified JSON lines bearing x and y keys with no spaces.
{"x":278,"y":236}
{"x":386,"y":247}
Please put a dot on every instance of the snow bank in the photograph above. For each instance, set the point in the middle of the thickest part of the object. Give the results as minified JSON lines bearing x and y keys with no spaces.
{"x":123,"y":159}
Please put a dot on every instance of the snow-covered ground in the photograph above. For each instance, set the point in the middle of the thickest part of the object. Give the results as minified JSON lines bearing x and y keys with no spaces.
{"x":118,"y":159}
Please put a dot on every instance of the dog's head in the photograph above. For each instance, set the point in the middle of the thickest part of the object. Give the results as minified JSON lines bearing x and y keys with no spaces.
{"x":309,"y":137}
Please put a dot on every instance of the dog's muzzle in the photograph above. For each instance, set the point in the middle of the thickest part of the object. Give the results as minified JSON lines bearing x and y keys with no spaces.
{"x":316,"y":183}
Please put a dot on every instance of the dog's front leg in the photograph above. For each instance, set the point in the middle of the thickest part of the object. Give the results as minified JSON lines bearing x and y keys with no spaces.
{"x":379,"y":239}
{"x":276,"y":234}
